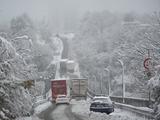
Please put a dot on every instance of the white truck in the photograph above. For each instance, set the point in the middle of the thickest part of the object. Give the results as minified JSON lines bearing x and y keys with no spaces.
{"x":78,"y":88}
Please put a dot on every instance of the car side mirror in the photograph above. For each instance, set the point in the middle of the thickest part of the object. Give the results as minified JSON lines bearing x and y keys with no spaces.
{"x":113,"y":103}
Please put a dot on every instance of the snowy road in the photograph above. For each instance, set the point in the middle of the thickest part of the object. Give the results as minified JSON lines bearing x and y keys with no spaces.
{"x":63,"y":112}
{"x":59,"y":112}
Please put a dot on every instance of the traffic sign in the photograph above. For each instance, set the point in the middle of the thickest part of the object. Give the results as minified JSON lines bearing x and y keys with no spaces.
{"x":146,"y":63}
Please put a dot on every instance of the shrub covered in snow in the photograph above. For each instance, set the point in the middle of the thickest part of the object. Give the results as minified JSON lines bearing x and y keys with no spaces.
{"x":154,"y":84}
{"x":14,"y":101}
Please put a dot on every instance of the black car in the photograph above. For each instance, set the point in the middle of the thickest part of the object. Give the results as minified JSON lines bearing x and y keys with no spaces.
{"x":102,"y":104}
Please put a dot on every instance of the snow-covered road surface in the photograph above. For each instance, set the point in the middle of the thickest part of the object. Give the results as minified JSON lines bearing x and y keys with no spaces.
{"x":59,"y":113}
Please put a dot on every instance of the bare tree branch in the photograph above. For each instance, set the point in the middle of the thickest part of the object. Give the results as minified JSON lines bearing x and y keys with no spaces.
{"x":3,"y":52}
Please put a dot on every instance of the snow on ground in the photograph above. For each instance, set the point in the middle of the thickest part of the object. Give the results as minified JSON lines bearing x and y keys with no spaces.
{"x":134,"y":107}
{"x":42,"y":107}
{"x":22,"y":37}
{"x":82,"y":108}
{"x":37,"y":110}
{"x":28,"y":118}
{"x":60,"y":113}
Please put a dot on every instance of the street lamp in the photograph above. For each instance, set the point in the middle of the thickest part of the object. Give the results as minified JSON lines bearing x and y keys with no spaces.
{"x":109,"y":83}
{"x":123,"y":84}
{"x":94,"y":84}
{"x":101,"y":83}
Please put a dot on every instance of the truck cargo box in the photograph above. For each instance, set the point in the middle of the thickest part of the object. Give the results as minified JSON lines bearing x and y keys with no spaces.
{"x":59,"y":87}
{"x":79,"y":87}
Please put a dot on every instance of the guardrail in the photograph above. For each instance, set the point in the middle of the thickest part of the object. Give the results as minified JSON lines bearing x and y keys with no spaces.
{"x":139,"y":102}
{"x":148,"y":114}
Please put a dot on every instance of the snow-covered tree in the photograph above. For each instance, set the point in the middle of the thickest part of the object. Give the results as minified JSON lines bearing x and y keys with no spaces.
{"x":17,"y":66}
{"x":125,"y":39}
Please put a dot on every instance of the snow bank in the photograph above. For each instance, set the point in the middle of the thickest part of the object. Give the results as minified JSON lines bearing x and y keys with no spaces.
{"x":28,"y":118}
{"x":67,"y":35}
{"x":16,"y":100}
{"x":22,"y":37}
{"x":154,"y":81}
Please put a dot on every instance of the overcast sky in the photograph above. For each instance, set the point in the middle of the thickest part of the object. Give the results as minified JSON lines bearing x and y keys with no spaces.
{"x":49,"y":8}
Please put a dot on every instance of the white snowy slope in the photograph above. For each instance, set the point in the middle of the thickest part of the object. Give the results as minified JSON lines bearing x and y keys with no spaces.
{"x":37,"y":110}
{"x":82,"y":108}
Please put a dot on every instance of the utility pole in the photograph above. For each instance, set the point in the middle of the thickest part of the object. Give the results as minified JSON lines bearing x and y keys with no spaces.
{"x":149,"y":93}
{"x":109,"y":82}
{"x":101,"y":83}
{"x":148,"y":69}
{"x":123,"y":84}
{"x":94,"y":84}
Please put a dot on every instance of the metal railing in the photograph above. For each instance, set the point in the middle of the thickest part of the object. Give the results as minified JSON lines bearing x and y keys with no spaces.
{"x":139,"y":102}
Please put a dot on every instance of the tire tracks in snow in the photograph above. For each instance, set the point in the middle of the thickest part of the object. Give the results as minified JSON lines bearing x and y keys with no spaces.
{"x":60,"y":112}
{"x":71,"y":115}
{"x":46,"y":115}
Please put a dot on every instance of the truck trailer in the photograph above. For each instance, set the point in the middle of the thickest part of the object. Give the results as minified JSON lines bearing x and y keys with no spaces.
{"x":79,"y":88}
{"x":59,"y":87}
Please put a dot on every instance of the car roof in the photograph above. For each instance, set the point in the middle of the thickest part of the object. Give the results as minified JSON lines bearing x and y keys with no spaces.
{"x":61,"y":95}
{"x":100,"y":97}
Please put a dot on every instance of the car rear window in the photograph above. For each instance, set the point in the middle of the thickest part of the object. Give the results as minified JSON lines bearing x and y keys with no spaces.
{"x":61,"y":96}
{"x":107,"y":100}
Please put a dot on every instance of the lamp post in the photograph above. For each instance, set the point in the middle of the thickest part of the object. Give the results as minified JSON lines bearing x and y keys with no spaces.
{"x":109,"y":82}
{"x":94,"y":84}
{"x":101,"y":83}
{"x":123,"y":84}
